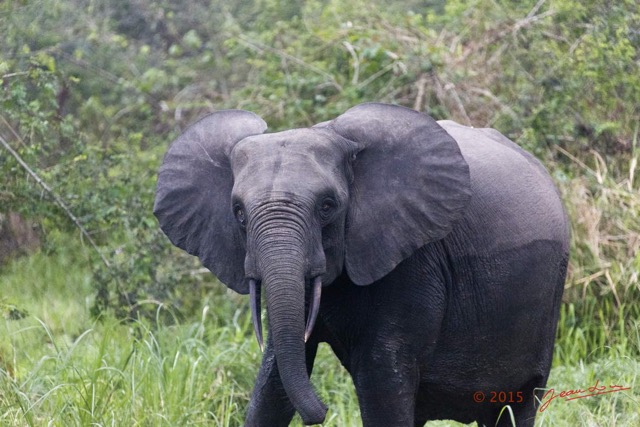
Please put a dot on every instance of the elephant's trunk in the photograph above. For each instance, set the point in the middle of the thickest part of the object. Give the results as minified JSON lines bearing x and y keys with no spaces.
{"x":281,"y":260}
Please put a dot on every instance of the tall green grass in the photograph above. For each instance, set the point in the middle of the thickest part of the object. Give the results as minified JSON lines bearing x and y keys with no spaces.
{"x":60,"y":367}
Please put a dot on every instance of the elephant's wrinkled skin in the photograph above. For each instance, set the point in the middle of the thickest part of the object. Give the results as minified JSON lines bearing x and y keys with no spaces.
{"x":441,"y":249}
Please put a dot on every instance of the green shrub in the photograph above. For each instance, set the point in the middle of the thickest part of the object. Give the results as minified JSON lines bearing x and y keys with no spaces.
{"x":91,"y":97}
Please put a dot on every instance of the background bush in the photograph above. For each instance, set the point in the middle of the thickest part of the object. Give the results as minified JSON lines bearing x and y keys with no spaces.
{"x":93,"y":92}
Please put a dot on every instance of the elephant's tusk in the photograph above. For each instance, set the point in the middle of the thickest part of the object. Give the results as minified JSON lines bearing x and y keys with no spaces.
{"x":254,"y":295}
{"x":315,"y":306}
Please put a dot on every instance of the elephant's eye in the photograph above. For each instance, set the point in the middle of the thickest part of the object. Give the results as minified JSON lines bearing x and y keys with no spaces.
{"x":240,"y":215}
{"x":327,"y":207}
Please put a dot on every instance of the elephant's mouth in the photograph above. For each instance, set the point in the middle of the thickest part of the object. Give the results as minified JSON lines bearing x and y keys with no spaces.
{"x":256,"y":309}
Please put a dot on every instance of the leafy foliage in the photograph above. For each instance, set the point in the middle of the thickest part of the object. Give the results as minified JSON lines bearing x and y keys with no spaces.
{"x":92,"y":92}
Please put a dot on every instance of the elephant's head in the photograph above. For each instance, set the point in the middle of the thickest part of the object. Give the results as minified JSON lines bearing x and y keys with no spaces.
{"x":288,"y":211}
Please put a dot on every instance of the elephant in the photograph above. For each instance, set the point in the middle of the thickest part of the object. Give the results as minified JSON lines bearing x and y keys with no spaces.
{"x":430,"y":256}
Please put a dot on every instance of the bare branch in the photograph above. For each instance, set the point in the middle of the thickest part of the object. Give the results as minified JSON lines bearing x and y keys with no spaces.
{"x":356,"y":62}
{"x":450,"y":87}
{"x":491,"y":96}
{"x":262,"y":47}
{"x":13,"y":131}
{"x":377,"y":74}
{"x":535,"y":9}
{"x":20,"y":73}
{"x":421,"y":83}
{"x":517,"y":26}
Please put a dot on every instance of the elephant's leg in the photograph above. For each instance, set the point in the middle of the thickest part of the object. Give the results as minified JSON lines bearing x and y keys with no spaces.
{"x":420,"y":422}
{"x":269,"y":405}
{"x":386,"y":384}
{"x":524,"y":413}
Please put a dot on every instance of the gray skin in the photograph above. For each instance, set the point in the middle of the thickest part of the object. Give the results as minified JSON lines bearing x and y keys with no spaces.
{"x":442,"y":252}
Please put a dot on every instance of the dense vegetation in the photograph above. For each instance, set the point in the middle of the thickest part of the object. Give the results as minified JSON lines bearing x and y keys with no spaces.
{"x":108,"y":324}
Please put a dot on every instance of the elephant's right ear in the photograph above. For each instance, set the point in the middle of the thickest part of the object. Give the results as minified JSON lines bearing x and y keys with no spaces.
{"x":193,"y":196}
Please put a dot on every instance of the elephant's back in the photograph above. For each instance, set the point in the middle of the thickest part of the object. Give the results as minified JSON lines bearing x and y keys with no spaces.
{"x":514,"y":201}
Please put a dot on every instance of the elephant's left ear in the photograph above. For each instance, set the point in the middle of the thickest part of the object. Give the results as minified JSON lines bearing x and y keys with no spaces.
{"x":411,"y":184}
